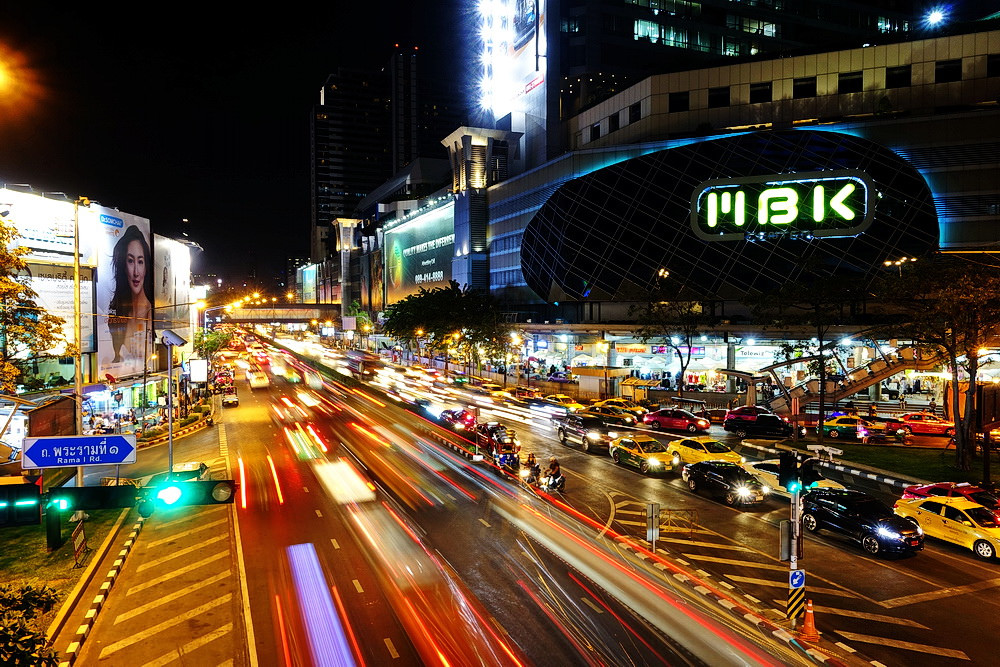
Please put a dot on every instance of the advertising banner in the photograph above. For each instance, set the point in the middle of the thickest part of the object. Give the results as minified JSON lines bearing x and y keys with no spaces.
{"x":46,"y":227}
{"x":54,"y":287}
{"x":124,"y":292}
{"x":513,"y":59}
{"x":171,"y":287}
{"x":419,"y":253}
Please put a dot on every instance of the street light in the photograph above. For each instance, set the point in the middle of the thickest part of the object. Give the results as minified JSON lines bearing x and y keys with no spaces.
{"x":603,"y":347}
{"x":170,"y":340}
{"x":77,"y":327}
{"x":898,"y":263}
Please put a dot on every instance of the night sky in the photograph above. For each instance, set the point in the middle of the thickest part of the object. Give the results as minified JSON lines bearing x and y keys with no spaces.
{"x":190,"y":115}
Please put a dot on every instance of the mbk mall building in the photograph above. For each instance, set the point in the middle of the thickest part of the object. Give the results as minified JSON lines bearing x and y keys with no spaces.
{"x":728,"y":180}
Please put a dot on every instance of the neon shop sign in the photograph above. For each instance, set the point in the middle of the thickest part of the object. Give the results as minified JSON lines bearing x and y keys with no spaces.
{"x":805,"y":205}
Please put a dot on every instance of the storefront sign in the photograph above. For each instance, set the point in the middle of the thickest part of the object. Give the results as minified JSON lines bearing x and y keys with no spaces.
{"x":823,"y":203}
{"x":697,"y":352}
{"x":626,"y":348}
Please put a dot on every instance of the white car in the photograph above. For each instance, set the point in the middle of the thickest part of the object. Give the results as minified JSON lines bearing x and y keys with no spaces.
{"x":230,"y":400}
{"x":767,"y":472}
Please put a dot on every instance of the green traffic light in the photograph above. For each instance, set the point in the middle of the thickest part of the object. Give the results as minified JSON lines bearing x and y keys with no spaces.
{"x":169,"y":494}
{"x":61,"y":504}
{"x":794,"y":486}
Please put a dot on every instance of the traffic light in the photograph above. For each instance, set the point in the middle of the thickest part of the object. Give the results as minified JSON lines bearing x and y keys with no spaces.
{"x":20,"y":505}
{"x":809,"y":475}
{"x":788,"y":471}
{"x":181,"y":494}
{"x":73,"y":498}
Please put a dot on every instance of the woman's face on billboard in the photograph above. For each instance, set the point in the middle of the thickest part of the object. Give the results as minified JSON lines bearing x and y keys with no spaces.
{"x":135,"y":265}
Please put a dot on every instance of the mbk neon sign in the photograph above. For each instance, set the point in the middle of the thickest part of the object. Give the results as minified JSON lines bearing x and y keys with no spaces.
{"x":827,"y":203}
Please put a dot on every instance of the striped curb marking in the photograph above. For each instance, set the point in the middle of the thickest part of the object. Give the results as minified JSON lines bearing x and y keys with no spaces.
{"x":95,"y":607}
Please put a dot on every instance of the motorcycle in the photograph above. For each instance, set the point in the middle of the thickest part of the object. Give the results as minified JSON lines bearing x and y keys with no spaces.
{"x":550,"y":484}
{"x":530,"y":475}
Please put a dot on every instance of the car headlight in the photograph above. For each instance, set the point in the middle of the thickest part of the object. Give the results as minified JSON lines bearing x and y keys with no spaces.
{"x":743,"y":459}
{"x":612,"y":434}
{"x":765,"y":490}
{"x":524,"y":472}
{"x":888,"y":533}
{"x":653,"y":462}
{"x":743,"y":492}
{"x":593,"y":435}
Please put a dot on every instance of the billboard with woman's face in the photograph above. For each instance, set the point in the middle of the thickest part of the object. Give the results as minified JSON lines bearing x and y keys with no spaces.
{"x":124,"y":293}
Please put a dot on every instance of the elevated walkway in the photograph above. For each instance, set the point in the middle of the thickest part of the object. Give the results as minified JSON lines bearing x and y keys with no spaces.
{"x":855,"y":380}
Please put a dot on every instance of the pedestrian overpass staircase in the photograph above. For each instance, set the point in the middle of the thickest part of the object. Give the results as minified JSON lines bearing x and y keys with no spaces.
{"x":860,"y":378}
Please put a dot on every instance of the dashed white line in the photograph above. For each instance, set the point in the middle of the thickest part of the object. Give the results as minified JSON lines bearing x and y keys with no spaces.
{"x":336,"y":544}
{"x":319,"y":514}
{"x":485,"y":523}
{"x":590,"y":603}
{"x":908,"y":646}
{"x":306,"y":489}
{"x":357,"y":586}
{"x":392,"y":649}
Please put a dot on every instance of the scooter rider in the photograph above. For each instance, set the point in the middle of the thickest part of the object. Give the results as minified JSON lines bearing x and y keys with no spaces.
{"x":553,"y":475}
{"x":531,"y":470}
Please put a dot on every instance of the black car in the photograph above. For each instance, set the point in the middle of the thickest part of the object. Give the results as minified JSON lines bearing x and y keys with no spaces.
{"x":861,"y":517}
{"x":763,"y":425}
{"x":726,"y":480}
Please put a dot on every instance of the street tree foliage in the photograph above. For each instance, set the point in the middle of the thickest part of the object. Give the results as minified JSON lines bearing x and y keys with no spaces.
{"x":21,"y":643}
{"x":951,"y":305}
{"x":675,"y":323}
{"x":27,"y":332}
{"x":451,"y":317}
{"x":207,"y":343}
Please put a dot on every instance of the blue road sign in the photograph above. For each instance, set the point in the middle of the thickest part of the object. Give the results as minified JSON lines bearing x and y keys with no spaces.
{"x":796,"y":578}
{"x":77,"y":450}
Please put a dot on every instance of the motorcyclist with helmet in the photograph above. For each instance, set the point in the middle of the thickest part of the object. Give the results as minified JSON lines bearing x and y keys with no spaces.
{"x":553,"y":479}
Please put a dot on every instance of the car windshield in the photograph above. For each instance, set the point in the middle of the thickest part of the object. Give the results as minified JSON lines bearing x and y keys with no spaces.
{"x":983,"y":517}
{"x":715,"y":447}
{"x":871,"y":508}
{"x":985,"y":499}
{"x":651,"y":447}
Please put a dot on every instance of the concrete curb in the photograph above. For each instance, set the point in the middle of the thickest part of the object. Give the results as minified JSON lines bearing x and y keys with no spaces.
{"x":98,"y":603}
{"x":187,"y":430}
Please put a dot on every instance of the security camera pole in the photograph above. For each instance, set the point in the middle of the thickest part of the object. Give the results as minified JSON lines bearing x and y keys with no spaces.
{"x":170,"y":339}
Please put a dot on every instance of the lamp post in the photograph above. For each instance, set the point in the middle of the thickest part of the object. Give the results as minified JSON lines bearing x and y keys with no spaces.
{"x":170,"y":340}
{"x":603,"y":347}
{"x":77,"y":328}
{"x":898,"y":263}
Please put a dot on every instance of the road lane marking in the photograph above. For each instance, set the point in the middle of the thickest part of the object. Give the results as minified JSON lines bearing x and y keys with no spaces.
{"x":730,"y":561}
{"x":319,"y":514}
{"x":306,"y":489}
{"x":190,"y":531}
{"x":357,"y":586}
{"x":336,"y":545}
{"x":199,"y":585}
{"x":710,"y":545}
{"x":392,"y":649}
{"x":190,"y":647}
{"x":784,"y":584}
{"x":880,"y":618}
{"x":181,"y":552}
{"x":173,"y":573}
{"x":213,"y":509}
{"x":589,"y":603}
{"x":484,"y":522}
{"x":909,"y":646}
{"x":940,"y":593}
{"x":142,"y":635}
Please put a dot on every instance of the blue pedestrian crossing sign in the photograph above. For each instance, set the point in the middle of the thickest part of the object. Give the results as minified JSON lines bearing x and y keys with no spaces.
{"x":77,"y":450}
{"x":796,"y":578}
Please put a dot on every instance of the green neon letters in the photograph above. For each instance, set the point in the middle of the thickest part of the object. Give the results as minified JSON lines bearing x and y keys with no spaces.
{"x":826,"y":203}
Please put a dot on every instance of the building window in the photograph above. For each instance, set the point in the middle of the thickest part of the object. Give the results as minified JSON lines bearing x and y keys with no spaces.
{"x":595,"y":131}
{"x":718,"y":97}
{"x":613,"y":122}
{"x":993,"y":64}
{"x":805,"y":87}
{"x":897,"y":77}
{"x":760,"y":92}
{"x":680,"y":101}
{"x":647,"y":30}
{"x":850,"y":82}
{"x":946,"y":71}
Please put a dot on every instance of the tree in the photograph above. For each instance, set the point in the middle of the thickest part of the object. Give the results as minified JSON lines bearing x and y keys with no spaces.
{"x":21,"y":643}
{"x":207,"y":343}
{"x":27,"y":332}
{"x":952,"y":306}
{"x":674,"y":322}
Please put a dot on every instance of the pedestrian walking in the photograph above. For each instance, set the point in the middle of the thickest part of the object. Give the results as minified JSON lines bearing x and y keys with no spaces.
{"x":902,"y":401}
{"x":932,"y":406}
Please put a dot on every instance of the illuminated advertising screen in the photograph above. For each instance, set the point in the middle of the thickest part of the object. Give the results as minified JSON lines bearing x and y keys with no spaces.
{"x":198,"y":368}
{"x":308,"y":283}
{"x":816,"y":204}
{"x":513,"y":56}
{"x":46,"y":227}
{"x":418,"y":253}
{"x":54,"y":286}
{"x":172,"y":286}
{"x":125,"y":279}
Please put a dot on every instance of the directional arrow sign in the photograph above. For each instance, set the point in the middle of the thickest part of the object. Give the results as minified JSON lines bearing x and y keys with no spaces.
{"x":796,"y":578}
{"x":78,"y":450}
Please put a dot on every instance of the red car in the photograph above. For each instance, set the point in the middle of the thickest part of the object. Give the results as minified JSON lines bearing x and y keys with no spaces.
{"x":676,"y":419}
{"x":927,"y":424}
{"x":748,"y":412}
{"x":955,"y":490}
{"x":460,"y":420}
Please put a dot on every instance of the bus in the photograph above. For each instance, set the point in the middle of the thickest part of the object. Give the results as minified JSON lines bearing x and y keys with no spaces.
{"x":363,"y":365}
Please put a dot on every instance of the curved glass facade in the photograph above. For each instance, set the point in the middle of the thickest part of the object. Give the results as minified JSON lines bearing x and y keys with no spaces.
{"x":608,"y":235}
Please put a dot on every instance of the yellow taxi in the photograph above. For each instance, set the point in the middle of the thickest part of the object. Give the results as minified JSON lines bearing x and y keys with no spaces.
{"x":702,"y":448}
{"x":642,"y":451}
{"x":956,"y":520}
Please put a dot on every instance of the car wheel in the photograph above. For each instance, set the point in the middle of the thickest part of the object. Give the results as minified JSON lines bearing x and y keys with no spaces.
{"x":693,"y":484}
{"x":562,"y":436}
{"x":833,"y":433}
{"x":731,"y":498}
{"x":871,"y":544}
{"x":615,"y":456}
{"x":655,"y":425}
{"x":984,"y":550}
{"x":644,"y":468}
{"x":949,"y":432}
{"x":585,"y":444}
{"x":692,"y":428}
{"x":741,"y":433}
{"x":810,"y":523}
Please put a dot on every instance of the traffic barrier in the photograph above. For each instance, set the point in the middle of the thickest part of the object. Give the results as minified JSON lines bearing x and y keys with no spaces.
{"x":809,"y":632}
